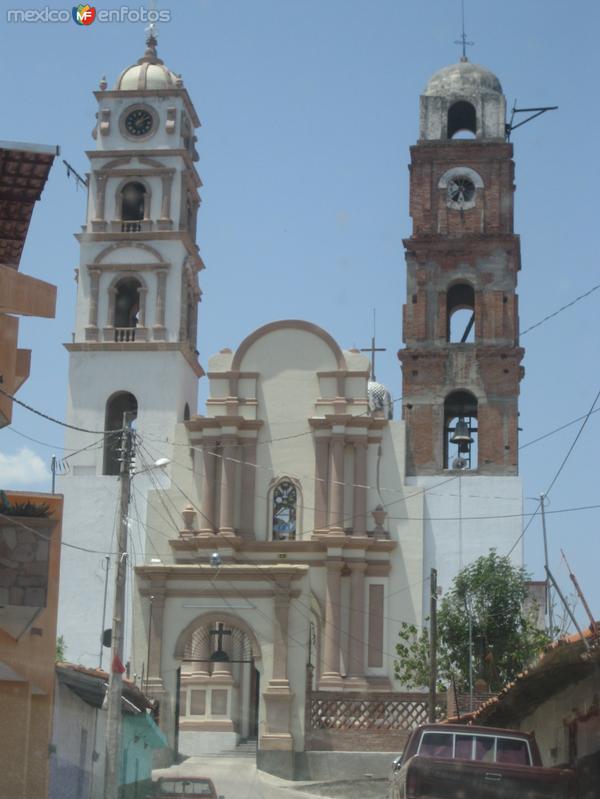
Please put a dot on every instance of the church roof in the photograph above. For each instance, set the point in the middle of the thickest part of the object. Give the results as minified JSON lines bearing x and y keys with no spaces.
{"x":463,"y":78}
{"x":149,"y":72}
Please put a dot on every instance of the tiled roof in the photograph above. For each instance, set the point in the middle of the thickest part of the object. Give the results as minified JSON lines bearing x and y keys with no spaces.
{"x":24,"y":170}
{"x":563,"y":662}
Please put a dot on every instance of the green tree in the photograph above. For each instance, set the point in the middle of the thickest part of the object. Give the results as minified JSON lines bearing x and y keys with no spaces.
{"x":61,"y":648}
{"x":489,"y":596}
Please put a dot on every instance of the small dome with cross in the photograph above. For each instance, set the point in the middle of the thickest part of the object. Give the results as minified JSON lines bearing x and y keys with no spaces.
{"x":150,"y":72}
{"x":462,"y":79}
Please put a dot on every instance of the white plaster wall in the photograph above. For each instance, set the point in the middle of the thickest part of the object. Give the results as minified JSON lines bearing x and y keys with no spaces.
{"x":162,"y":382}
{"x":159,"y":140}
{"x":465,"y":517}
{"x":288,"y":361}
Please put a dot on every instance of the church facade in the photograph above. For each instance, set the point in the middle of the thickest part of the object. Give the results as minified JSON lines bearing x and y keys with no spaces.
{"x":297,"y":522}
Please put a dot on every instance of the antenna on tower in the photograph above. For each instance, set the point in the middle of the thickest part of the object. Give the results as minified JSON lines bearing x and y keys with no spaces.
{"x":79,"y":181}
{"x":463,"y":37}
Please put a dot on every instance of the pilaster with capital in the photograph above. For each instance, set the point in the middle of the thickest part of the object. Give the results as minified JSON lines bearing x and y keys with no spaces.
{"x":360,"y":488}
{"x":331,"y":632}
{"x":356,"y":659}
{"x":161,"y":291}
{"x":156,"y":608}
{"x":321,"y":485}
{"x":91,"y":332}
{"x":209,"y":472}
{"x":336,"y":484}
{"x":278,"y":697}
{"x":228,"y":465}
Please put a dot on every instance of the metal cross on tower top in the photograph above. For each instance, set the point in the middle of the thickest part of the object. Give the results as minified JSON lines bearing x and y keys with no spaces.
{"x":463,"y":37}
{"x":373,"y":349}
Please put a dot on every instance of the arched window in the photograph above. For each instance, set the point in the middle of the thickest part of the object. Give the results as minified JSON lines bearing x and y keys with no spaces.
{"x":460,"y":313}
{"x":186,"y":413}
{"x":120,"y":403}
{"x":127,"y":302}
{"x":133,"y":206}
{"x":462,"y":121}
{"x":460,"y":431}
{"x":284,"y":510}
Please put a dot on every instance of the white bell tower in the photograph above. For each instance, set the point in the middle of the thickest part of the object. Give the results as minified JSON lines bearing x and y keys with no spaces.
{"x":134,"y":344}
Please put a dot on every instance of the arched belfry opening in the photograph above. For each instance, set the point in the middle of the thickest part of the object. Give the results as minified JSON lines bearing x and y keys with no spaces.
{"x":462,"y":120}
{"x":219,"y":687}
{"x":117,"y":405}
{"x":460,"y":314}
{"x":127,"y":302}
{"x":460,"y":431}
{"x":133,"y":206}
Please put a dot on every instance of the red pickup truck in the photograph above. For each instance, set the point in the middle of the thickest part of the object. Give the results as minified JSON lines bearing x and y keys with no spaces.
{"x":452,"y":761}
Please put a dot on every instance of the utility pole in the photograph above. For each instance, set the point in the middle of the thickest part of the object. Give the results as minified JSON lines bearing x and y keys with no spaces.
{"x":548,"y":594}
{"x":432,"y":643}
{"x":115,"y":686}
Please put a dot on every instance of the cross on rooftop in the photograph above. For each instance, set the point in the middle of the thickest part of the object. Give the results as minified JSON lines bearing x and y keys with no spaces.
{"x":463,"y":37}
{"x":373,"y":349}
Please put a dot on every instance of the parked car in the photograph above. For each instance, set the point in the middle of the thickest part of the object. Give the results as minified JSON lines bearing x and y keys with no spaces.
{"x":453,"y":761}
{"x":176,"y":787}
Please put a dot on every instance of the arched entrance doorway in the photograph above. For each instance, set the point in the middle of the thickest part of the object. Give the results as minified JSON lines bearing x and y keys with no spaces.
{"x":219,"y":685}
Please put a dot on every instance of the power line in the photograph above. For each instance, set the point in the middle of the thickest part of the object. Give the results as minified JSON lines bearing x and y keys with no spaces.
{"x":56,"y":421}
{"x":558,"y":472}
{"x":560,"y":310}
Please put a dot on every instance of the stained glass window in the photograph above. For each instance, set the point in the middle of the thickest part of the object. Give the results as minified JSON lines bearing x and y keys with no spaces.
{"x":284,"y":511}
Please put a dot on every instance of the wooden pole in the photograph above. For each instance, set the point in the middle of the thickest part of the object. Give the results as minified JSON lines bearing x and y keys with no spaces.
{"x":432,"y":644}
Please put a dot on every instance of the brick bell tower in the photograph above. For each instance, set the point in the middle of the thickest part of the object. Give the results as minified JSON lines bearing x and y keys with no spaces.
{"x":461,"y":366}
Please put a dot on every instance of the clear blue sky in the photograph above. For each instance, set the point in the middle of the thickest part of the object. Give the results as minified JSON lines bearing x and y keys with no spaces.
{"x":308,"y":110}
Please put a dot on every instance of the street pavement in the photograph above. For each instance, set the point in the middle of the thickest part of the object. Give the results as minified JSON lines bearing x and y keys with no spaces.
{"x":238,"y":778}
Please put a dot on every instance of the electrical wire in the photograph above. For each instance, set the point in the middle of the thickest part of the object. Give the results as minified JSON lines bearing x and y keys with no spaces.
{"x":560,"y":310}
{"x":558,"y":472}
{"x":52,"y":419}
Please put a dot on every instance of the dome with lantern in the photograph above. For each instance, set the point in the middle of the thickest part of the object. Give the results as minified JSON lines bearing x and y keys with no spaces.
{"x":149,"y":73}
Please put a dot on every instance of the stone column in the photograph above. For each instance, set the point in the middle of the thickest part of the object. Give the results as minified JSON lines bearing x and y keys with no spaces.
{"x":209,"y":471}
{"x":112,"y":305}
{"x":100,"y":196}
{"x":248,"y":487}
{"x":360,"y":490}
{"x":161,"y":290}
{"x":331,"y":633}
{"x":280,"y":635}
{"x":276,"y":743}
{"x":142,"y":292}
{"x":356,"y":659}
{"x":91,"y":332}
{"x":336,"y":485}
{"x":227,"y":486}
{"x":157,"y":592}
{"x":321,"y":487}
{"x":165,"y":209}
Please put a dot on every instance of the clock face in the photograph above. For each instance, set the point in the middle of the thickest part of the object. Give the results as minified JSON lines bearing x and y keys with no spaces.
{"x":138,"y":122}
{"x":461,"y":190}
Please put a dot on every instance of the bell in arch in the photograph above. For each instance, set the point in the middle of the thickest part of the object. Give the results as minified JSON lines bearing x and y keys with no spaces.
{"x":462,"y":436}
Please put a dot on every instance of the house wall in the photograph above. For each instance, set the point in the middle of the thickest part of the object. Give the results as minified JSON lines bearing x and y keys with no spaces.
{"x":551,"y":720}
{"x":78,"y":731}
{"x":27,"y":678}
